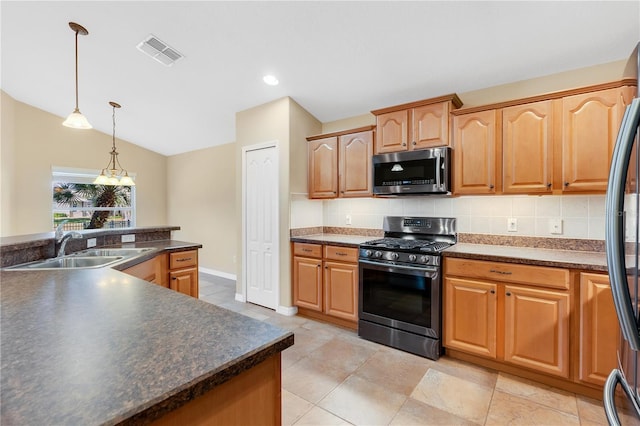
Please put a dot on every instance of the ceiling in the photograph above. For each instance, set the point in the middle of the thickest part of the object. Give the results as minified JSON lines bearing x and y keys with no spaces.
{"x":336,"y":59}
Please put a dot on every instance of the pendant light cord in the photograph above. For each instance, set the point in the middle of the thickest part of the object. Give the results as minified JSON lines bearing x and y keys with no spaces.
{"x":76,"y":70}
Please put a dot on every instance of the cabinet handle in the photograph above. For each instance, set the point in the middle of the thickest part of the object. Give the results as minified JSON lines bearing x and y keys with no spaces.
{"x":508,"y":294}
{"x":500,"y":272}
{"x":404,"y":144}
{"x":174,"y":278}
{"x":491,"y":186}
{"x":339,"y":253}
{"x":566,"y":184}
{"x":342,"y":192}
{"x":307,"y":250}
{"x":549,"y":185}
{"x":414,"y":143}
{"x":184,"y":259}
{"x":318,"y":266}
{"x":326,"y":267}
{"x":493,"y":292}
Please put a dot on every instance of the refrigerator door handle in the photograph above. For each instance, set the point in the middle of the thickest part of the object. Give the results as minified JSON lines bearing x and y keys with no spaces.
{"x":609,"y":394}
{"x":614,"y":230}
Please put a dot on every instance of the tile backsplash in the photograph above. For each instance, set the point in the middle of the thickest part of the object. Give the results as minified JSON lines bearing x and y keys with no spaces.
{"x":579,"y":216}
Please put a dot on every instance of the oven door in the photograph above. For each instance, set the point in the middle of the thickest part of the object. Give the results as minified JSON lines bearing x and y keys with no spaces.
{"x":401,"y":297}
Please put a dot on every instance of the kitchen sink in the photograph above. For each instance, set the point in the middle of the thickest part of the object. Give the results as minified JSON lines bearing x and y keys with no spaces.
{"x":69,"y":262}
{"x":101,"y":252}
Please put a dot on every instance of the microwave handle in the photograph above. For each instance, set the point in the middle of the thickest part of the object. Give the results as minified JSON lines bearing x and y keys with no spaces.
{"x":438,"y":167}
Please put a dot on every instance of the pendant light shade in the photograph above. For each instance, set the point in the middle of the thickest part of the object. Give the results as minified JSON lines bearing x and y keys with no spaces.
{"x":114,"y":174}
{"x":76,"y":120}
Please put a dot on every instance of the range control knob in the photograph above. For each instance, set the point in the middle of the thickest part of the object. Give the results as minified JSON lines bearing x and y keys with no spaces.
{"x":424,"y":259}
{"x":412,"y":257}
{"x":367,"y":253}
{"x":394,"y":256}
{"x":377,"y":254}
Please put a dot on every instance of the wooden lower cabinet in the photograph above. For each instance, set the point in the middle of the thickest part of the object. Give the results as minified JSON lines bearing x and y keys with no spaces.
{"x":495,"y":314}
{"x":325,"y":282}
{"x":177,"y":271}
{"x":150,"y":270}
{"x":599,"y":329}
{"x":536,"y":329}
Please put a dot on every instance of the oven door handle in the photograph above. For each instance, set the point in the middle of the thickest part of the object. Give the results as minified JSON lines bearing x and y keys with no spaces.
{"x":432,"y":270}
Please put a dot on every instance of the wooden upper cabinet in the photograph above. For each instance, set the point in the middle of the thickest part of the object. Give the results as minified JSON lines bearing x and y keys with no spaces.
{"x":527,"y":148}
{"x":392,"y":132}
{"x":416,"y":125}
{"x":323,"y":168}
{"x":474,"y":153}
{"x":355,"y":178}
{"x":430,"y":124}
{"x":590,"y":126}
{"x":340,"y":164}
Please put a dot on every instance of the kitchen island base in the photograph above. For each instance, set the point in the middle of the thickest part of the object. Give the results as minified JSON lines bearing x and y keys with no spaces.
{"x":253,"y":397}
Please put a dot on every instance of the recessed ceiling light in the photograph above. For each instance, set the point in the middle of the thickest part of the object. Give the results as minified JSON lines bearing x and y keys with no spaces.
{"x":270,"y":80}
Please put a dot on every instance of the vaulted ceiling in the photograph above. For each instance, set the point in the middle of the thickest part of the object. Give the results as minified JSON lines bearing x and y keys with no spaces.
{"x":336,"y":59}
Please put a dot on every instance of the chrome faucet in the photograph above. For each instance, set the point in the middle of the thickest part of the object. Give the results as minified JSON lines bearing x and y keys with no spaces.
{"x":62,"y":238}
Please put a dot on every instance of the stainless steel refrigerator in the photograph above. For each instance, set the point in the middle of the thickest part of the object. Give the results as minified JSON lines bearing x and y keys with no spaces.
{"x":621,"y":237}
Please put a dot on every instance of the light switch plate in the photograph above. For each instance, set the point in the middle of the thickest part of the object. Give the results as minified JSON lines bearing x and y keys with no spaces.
{"x":555,"y":226}
{"x":348,"y":219}
{"x":512,"y":224}
{"x":91,"y":242}
{"x":129,"y":238}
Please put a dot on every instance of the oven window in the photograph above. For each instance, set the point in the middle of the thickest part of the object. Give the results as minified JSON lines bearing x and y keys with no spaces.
{"x":397,"y":296}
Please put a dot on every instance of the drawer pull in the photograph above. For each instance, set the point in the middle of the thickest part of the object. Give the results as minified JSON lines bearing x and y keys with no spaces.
{"x":184,"y":259}
{"x":307,"y":250}
{"x":339,"y":253}
{"x":500,"y":272}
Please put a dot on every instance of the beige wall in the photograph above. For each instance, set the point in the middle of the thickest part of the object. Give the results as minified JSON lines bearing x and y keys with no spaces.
{"x":36,"y":140}
{"x":286,"y":122}
{"x":202,"y":201}
{"x":367,"y":119}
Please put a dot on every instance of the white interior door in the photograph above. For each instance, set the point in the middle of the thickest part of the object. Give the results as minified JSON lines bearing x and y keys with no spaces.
{"x":261,"y":221}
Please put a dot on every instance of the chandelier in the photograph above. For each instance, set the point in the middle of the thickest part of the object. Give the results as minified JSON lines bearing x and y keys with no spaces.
{"x":114,"y":174}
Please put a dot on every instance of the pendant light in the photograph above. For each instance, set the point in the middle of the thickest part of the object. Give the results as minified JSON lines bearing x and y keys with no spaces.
{"x":76,"y":120}
{"x":114,"y":174}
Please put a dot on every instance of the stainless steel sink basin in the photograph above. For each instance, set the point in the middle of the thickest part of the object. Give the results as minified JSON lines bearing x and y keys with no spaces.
{"x":101,"y":252}
{"x":69,"y":262}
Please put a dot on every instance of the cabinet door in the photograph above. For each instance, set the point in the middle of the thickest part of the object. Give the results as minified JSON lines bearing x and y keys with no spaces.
{"x":184,"y":281}
{"x":355,"y":177}
{"x":341,"y":290}
{"x":590,"y":127}
{"x":527,"y":151}
{"x":430,"y":125}
{"x":599,"y":329}
{"x":470,"y":316}
{"x":307,"y":283}
{"x":474,"y":142}
{"x":150,"y":270}
{"x":537,"y":329}
{"x":323,"y":168}
{"x":392,"y":131}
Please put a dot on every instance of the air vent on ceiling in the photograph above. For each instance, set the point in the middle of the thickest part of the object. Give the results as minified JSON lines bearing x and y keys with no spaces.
{"x":159,"y":50}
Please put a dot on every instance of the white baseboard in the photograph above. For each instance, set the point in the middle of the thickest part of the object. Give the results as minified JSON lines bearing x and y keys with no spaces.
{"x":240,"y":297}
{"x":287,"y":310}
{"x":220,"y":274}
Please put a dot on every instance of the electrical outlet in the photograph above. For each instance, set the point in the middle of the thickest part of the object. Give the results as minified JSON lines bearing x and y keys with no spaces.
{"x":555,"y":225}
{"x":91,"y":242}
{"x":348,"y":219}
{"x":512,"y":224}
{"x":129,"y":238}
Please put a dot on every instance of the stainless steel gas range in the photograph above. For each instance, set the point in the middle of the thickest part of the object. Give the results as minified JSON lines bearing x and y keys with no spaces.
{"x":400,"y":289}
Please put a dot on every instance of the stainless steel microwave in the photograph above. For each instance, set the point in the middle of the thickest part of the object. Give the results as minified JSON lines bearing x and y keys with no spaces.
{"x":425,"y":171}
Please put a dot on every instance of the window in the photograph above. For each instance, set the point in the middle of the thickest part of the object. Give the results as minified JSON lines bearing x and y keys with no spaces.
{"x":80,"y":204}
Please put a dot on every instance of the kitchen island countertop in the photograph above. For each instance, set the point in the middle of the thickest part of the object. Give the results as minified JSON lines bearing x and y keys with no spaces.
{"x":102,"y":347}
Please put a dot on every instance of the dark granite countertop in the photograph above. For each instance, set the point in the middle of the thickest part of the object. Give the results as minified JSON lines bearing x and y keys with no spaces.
{"x":101,"y":347}
{"x":583,"y":260}
{"x":333,"y":239}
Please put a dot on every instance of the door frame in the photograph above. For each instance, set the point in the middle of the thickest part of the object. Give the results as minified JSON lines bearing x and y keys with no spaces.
{"x":245,"y":149}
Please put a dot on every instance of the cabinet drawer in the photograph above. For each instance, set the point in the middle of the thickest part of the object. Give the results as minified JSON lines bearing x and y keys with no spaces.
{"x":509,"y":272}
{"x":344,"y":254}
{"x":183,"y":259}
{"x":307,"y":250}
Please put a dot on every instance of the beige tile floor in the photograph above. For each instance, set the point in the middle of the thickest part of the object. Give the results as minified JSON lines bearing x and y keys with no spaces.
{"x":332,"y":377}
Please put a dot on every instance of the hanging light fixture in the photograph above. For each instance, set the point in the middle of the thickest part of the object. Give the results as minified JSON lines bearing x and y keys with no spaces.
{"x":76,"y":120}
{"x":114,"y":174}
